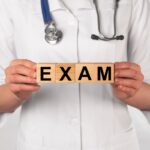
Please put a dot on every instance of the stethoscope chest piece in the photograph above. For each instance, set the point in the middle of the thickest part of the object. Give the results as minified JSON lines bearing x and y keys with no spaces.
{"x":52,"y":34}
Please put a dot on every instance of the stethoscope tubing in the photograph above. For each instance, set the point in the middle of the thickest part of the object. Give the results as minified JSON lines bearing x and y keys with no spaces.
{"x":56,"y":34}
{"x":45,"y":7}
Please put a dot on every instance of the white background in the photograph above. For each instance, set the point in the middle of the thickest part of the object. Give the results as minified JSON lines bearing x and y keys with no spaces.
{"x":9,"y":132}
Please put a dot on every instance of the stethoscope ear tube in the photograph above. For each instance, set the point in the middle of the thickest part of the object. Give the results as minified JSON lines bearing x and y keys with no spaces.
{"x":101,"y":35}
{"x":96,"y":37}
{"x":53,"y":35}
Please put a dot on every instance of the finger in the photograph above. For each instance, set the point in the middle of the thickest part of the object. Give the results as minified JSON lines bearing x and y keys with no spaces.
{"x":24,"y":62}
{"x":22,"y":70}
{"x":24,"y":87}
{"x":129,"y":91}
{"x":128,"y":83}
{"x":20,"y":79}
{"x":127,"y":65}
{"x":128,"y":73}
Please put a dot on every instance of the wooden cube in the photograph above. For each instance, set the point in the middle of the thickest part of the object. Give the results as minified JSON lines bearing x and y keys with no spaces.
{"x":75,"y":73}
{"x":85,"y":73}
{"x":105,"y":73}
{"x":65,"y":73}
{"x":45,"y":73}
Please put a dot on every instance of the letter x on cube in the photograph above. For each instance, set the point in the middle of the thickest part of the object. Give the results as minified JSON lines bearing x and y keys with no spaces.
{"x":75,"y":73}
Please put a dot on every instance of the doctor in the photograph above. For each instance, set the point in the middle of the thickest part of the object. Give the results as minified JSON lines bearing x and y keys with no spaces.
{"x":74,"y":116}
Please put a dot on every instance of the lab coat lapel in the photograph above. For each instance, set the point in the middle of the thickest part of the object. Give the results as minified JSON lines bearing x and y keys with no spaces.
{"x":81,"y":4}
{"x":56,"y":5}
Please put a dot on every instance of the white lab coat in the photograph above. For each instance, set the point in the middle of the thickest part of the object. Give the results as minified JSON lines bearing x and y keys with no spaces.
{"x":75,"y":116}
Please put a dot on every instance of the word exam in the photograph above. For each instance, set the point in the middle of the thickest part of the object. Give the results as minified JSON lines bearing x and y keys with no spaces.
{"x":75,"y":73}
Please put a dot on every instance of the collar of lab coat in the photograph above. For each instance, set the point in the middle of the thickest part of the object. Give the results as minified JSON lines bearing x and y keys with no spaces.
{"x":56,"y":5}
{"x":82,"y":4}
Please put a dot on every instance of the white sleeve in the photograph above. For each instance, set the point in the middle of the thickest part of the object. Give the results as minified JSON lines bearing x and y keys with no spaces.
{"x":147,"y":115}
{"x":139,"y":39}
{"x":7,"y":51}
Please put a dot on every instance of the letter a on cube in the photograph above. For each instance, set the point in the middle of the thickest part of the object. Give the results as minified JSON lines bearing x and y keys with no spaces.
{"x":85,"y":73}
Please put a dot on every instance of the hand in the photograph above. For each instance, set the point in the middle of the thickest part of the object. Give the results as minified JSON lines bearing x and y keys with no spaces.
{"x":128,"y":80}
{"x":21,"y":78}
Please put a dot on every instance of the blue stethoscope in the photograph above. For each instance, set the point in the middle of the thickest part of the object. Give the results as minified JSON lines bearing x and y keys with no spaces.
{"x":54,"y":35}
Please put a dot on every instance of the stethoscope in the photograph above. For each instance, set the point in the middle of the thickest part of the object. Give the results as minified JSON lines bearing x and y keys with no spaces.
{"x":53,"y":35}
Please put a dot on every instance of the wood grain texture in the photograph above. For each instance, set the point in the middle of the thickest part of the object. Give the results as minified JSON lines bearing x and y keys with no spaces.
{"x":75,"y":73}
{"x":93,"y":73}
{"x":86,"y":73}
{"x":49,"y":70}
{"x":69,"y":69}
{"x":105,"y":68}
